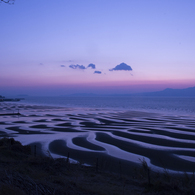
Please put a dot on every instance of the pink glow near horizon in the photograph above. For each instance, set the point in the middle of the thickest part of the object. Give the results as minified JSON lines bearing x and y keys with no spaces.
{"x":155,"y":39}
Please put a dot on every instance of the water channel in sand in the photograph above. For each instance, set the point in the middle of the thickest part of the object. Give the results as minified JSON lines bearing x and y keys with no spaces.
{"x":165,"y":142}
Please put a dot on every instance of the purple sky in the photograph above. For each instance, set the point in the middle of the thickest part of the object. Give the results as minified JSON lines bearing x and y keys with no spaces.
{"x":39,"y":40}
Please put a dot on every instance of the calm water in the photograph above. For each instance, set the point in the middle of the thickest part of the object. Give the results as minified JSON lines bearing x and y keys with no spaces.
{"x":166,"y":105}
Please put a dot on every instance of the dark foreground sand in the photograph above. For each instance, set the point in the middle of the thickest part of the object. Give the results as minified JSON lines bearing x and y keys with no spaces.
{"x":112,"y":140}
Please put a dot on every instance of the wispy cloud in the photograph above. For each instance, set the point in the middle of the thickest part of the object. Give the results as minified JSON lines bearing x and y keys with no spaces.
{"x":77,"y":67}
{"x":62,"y":65}
{"x":82,"y":67}
{"x":122,"y":66}
{"x":91,"y":66}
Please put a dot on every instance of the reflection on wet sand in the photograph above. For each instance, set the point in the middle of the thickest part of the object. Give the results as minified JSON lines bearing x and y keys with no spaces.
{"x":166,"y":142}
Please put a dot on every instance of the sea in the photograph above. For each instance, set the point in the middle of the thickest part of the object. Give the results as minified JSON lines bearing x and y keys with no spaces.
{"x":164,"y":105}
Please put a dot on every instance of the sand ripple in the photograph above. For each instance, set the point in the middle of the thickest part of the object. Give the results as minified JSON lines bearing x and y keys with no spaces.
{"x":166,"y":142}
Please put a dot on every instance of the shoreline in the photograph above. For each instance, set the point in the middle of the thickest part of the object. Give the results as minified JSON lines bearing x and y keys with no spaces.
{"x":23,"y":172}
{"x":153,"y":107}
{"x":99,"y":134}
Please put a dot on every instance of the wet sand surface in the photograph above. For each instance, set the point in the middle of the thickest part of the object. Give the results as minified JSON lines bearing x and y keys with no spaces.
{"x":114,"y":139}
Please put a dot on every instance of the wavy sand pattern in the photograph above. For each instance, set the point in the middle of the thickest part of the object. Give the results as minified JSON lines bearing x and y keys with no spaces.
{"x":166,"y":142}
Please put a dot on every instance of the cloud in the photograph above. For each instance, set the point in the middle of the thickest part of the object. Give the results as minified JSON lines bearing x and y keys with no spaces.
{"x":77,"y":67}
{"x":91,"y":65}
{"x":97,"y":72}
{"x":62,"y":65}
{"x":122,"y":66}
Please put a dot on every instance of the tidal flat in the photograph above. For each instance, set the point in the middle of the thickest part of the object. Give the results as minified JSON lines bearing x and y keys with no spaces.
{"x":118,"y":140}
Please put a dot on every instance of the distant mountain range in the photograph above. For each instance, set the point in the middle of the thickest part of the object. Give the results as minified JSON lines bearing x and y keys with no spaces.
{"x":187,"y":92}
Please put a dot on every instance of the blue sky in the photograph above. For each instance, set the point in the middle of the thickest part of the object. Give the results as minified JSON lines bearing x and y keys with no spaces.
{"x":41,"y":39}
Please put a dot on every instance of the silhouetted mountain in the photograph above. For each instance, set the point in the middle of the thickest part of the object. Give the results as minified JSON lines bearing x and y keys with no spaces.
{"x":188,"y":92}
{"x":83,"y":95}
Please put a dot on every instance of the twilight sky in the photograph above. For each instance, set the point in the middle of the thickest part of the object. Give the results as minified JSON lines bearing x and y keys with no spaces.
{"x":96,"y":46}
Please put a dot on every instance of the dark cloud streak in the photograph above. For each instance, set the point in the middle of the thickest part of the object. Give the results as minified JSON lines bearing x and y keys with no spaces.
{"x":97,"y":72}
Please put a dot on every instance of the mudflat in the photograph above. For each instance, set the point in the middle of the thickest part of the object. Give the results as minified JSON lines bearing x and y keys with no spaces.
{"x":113,"y":138}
